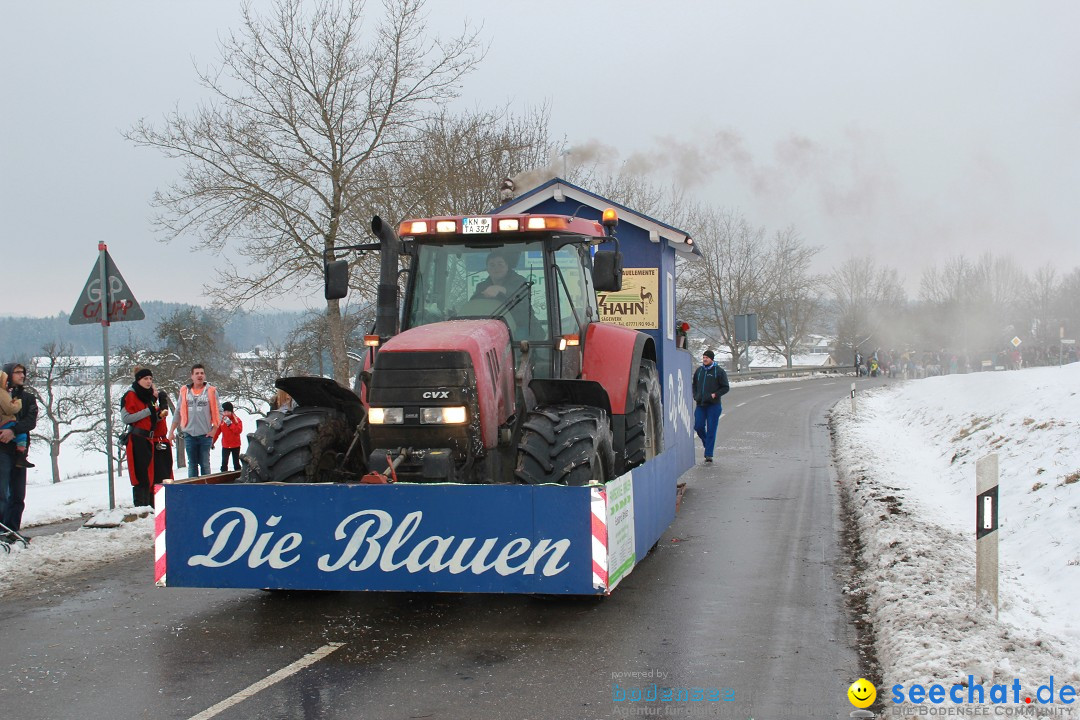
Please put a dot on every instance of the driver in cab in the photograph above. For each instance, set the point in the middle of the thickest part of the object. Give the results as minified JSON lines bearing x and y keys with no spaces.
{"x":502,"y":284}
{"x":501,"y":281}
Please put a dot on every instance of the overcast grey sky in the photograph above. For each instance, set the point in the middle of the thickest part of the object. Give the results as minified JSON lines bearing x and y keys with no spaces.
{"x":914,"y":131}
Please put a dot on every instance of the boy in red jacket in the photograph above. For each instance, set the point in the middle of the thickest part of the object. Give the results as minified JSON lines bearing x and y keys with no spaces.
{"x":229,"y":430}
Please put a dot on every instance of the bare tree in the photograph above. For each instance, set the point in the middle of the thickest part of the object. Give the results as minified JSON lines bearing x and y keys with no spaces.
{"x":280,"y":164}
{"x":251,"y":386}
{"x":865,"y":299}
{"x":97,"y":441}
{"x":1068,"y":304}
{"x":455,"y":163}
{"x":973,"y":305}
{"x":731,"y":278}
{"x":70,"y":399}
{"x":311,"y":338}
{"x":1042,"y":305}
{"x":791,"y":297}
{"x":191,"y":335}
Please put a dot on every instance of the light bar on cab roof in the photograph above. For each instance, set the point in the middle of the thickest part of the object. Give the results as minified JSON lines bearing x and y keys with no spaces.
{"x":547,"y":222}
{"x":512,"y":223}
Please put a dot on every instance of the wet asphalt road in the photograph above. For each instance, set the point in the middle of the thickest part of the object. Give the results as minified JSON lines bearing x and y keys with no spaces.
{"x":742,"y":597}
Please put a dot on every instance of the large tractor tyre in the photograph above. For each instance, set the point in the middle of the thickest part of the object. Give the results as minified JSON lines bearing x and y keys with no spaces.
{"x":295,"y":446}
{"x":565,"y":445}
{"x":645,"y":422}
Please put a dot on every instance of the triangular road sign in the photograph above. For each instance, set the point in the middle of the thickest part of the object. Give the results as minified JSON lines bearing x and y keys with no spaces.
{"x":122,"y":303}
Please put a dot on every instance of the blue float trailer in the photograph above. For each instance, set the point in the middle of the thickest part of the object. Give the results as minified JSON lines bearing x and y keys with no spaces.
{"x":484,"y":448}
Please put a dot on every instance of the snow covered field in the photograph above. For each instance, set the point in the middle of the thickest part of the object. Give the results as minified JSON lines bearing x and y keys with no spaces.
{"x":907,"y":458}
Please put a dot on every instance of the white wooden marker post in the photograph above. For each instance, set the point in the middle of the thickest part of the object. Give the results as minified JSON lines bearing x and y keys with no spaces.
{"x":852,"y":397}
{"x":986,"y":525}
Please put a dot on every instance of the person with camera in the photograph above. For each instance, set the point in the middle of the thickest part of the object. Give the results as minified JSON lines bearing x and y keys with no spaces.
{"x":163,"y":454}
{"x":139,"y":410}
{"x":229,"y":431}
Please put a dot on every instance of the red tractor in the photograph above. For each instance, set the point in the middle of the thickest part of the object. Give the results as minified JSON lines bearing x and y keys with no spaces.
{"x":496,"y":370}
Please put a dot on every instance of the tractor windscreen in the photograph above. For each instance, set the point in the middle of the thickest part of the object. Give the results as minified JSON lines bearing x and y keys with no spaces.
{"x":458,"y":281}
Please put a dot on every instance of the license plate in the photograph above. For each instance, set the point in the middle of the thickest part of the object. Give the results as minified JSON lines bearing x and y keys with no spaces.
{"x":475,"y":225}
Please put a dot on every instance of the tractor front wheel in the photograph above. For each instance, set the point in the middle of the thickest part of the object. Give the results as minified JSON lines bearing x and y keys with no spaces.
{"x":298,"y":446}
{"x":565,"y":445}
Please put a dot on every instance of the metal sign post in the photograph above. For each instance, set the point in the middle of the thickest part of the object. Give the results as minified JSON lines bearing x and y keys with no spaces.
{"x":986,"y":525}
{"x":106,"y":299}
{"x":746,"y":331}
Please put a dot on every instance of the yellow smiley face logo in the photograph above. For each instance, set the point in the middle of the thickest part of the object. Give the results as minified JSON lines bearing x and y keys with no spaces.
{"x":861,"y":693}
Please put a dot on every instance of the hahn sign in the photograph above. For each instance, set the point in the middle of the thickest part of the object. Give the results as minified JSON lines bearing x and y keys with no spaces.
{"x":118,"y":297}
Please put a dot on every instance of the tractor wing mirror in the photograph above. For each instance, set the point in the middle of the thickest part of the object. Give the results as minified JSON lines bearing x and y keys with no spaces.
{"x":607,"y":271}
{"x":336,"y":279}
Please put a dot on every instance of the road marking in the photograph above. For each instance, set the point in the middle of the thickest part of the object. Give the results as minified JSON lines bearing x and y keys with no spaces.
{"x":828,"y":384}
{"x":310,"y":658}
{"x":741,"y":404}
{"x":765,"y":395}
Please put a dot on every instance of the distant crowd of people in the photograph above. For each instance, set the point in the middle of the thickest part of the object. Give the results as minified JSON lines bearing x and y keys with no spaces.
{"x":912,"y":364}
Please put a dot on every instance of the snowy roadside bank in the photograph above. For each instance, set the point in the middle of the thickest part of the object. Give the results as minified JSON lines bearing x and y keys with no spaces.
{"x":51,"y":557}
{"x":906,"y":461}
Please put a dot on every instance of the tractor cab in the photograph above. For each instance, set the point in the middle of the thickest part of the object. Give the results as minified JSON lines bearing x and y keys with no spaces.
{"x":495,"y":368}
{"x":533,"y":272}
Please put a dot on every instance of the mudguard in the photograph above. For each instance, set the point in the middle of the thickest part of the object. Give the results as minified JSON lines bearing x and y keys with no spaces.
{"x":323,"y":392}
{"x":611,"y":357}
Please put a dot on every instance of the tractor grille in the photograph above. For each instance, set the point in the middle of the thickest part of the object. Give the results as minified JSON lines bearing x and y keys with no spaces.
{"x":412,"y":380}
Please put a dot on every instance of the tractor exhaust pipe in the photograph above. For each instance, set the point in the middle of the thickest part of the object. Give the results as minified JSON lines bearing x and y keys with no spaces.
{"x":387,"y":313}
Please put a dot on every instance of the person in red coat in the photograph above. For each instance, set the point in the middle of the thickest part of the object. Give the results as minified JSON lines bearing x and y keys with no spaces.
{"x":139,"y":409}
{"x":229,"y":431}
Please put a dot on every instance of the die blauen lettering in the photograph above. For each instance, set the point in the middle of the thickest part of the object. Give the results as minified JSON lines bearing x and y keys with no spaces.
{"x":371,"y":539}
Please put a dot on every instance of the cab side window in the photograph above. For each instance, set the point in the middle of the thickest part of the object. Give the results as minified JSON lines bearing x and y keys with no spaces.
{"x":577,"y":301}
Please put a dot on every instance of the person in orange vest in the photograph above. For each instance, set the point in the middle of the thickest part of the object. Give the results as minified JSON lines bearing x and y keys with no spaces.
{"x":198,"y":418}
{"x":229,"y":431}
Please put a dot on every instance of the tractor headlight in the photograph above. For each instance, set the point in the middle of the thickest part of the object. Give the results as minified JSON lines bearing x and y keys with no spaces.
{"x":454,"y":415}
{"x":386,"y":416}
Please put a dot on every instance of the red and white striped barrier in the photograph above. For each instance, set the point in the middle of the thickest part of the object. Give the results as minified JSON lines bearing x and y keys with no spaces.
{"x":159,"y":535}
{"x":598,"y":505}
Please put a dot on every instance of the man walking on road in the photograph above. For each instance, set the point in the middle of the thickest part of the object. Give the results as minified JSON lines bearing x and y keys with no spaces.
{"x":198,"y":420}
{"x":12,"y":474}
{"x":710,"y":383}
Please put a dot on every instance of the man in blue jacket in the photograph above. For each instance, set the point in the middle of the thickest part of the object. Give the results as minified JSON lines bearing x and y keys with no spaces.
{"x":710,"y":383}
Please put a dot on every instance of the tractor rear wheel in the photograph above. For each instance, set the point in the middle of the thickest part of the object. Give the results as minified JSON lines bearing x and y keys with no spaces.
{"x":645,"y":422}
{"x":295,"y":446}
{"x":565,"y":445}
